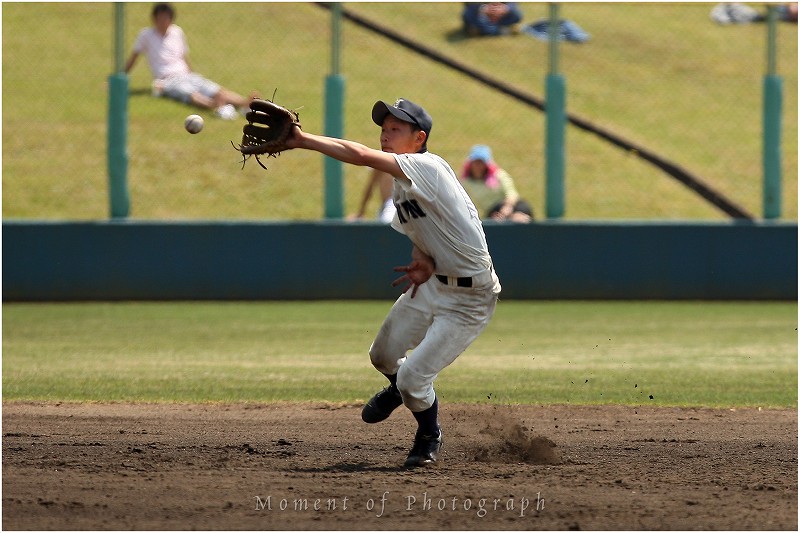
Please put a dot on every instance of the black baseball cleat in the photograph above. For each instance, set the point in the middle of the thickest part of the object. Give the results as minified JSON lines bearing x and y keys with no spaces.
{"x":380,"y":406}
{"x":425,"y":451}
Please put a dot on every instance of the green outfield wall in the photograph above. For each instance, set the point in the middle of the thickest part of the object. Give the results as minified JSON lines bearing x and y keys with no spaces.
{"x":119,"y":260}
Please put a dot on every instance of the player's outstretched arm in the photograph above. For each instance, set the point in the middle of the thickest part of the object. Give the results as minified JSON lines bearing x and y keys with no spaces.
{"x":347,"y":151}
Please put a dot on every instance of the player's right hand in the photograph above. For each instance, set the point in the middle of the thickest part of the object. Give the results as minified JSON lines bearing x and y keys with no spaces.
{"x":416,"y":273}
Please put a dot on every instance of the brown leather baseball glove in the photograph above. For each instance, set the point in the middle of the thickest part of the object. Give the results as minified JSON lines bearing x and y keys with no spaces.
{"x":268,"y":127}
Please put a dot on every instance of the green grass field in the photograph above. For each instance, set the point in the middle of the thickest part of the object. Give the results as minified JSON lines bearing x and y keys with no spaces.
{"x":680,"y":353}
{"x":663,"y":75}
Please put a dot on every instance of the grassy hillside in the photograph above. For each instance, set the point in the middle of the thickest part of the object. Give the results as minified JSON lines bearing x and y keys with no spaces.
{"x":661,"y":74}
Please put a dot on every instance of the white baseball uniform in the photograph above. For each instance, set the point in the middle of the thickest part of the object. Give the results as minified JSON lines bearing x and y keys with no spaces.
{"x":451,"y":309}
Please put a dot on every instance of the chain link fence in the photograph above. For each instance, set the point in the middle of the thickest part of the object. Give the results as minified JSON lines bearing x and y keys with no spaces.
{"x":666,"y":76}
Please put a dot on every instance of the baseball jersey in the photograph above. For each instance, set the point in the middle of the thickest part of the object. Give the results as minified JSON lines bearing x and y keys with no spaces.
{"x":438,"y":216}
{"x":166,"y":54}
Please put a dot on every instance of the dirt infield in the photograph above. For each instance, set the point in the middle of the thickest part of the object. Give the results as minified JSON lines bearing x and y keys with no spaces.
{"x":298,"y":467}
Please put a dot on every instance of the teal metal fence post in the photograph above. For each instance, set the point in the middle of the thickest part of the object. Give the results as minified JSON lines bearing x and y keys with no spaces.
{"x":334,"y":122}
{"x":555,"y":123}
{"x":117,"y":147}
{"x":773,"y":97}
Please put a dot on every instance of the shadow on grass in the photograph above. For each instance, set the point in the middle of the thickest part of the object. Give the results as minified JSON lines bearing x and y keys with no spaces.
{"x":456,"y":35}
{"x":140,"y":91}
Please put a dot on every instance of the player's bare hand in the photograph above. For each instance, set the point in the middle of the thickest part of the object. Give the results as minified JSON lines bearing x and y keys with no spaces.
{"x":416,"y":273}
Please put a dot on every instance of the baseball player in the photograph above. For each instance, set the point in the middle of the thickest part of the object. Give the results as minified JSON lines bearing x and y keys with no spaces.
{"x":450,"y":288}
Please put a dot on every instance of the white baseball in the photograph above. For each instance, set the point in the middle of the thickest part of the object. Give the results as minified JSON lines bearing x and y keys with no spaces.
{"x":193,"y":123}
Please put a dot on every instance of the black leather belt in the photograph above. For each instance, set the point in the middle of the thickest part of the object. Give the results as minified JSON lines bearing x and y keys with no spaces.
{"x":461,"y":282}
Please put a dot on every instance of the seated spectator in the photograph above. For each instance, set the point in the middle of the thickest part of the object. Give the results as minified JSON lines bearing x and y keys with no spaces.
{"x":788,"y":12}
{"x":735,"y":13}
{"x":490,"y":18}
{"x":492,"y":188}
{"x":167,"y":52}
{"x":738,"y":13}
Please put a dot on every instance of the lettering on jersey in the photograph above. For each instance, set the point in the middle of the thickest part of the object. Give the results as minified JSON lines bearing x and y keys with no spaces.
{"x":409,"y":209}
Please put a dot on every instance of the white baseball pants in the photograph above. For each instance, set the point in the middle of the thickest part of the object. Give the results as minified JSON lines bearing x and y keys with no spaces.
{"x":437,"y":325}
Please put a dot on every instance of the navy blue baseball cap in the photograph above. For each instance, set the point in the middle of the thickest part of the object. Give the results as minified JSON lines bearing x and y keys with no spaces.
{"x":405,"y":110}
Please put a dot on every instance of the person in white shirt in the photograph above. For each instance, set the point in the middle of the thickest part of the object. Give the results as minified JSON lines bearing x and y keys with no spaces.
{"x":167,"y":49}
{"x":451,"y":287}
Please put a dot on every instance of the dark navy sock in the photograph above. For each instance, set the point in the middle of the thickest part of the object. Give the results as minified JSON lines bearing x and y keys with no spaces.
{"x":428,"y":419}
{"x":393,"y":383}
